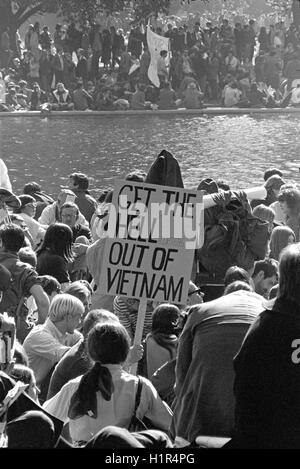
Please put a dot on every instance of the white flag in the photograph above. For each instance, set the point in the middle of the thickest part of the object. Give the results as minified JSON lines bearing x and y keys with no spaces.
{"x":4,"y":178}
{"x":2,"y":91}
{"x":156,"y":44}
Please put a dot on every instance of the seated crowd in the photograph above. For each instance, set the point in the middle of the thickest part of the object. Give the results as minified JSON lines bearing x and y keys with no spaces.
{"x":104,"y":70}
{"x":222,"y":365}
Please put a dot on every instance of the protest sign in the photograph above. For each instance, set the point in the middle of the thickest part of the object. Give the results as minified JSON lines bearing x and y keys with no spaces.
{"x":152,"y":234}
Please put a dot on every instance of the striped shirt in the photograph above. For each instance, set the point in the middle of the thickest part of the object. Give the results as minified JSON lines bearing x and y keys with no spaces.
{"x":128,"y":318}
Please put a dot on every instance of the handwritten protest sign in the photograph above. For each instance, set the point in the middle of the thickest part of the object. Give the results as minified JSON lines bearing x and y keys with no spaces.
{"x":152,"y":233}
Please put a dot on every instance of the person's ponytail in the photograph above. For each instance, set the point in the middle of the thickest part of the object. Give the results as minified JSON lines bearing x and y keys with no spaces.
{"x":84,"y":400}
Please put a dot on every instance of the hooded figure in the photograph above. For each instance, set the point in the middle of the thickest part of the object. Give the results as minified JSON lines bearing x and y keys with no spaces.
{"x":165,"y":171}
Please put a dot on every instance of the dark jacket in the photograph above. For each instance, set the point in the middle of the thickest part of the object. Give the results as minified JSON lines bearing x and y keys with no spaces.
{"x":86,"y":203}
{"x":213,"y":334}
{"x":73,"y":364}
{"x":82,"y":69}
{"x":267,"y":379}
{"x":23,"y":404}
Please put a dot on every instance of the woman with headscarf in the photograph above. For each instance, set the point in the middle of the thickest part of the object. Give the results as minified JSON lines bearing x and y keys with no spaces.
{"x":281,"y":237}
{"x":105,"y":395}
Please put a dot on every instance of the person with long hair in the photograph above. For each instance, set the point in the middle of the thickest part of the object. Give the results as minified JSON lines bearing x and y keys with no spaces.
{"x":105,"y":395}
{"x":266,"y":368}
{"x":160,"y":345}
{"x":281,"y":237}
{"x":289,"y":200}
{"x":55,"y":253}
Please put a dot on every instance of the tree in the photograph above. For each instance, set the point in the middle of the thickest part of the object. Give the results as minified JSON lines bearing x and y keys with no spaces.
{"x":14,"y":13}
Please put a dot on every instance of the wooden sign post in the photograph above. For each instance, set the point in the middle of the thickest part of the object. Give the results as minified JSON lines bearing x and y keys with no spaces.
{"x":139,"y":330}
{"x":153,"y":232}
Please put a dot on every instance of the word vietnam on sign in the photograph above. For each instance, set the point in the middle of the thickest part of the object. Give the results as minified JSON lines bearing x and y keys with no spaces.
{"x":152,"y":234}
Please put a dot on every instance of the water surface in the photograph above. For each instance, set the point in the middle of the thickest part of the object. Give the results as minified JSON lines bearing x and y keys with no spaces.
{"x":237,"y":149}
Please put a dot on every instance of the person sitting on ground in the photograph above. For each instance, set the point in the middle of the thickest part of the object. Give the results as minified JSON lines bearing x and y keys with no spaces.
{"x":192,"y":97}
{"x":281,"y":237}
{"x":289,"y":200}
{"x":126,"y":309}
{"x":25,"y":90}
{"x":25,"y":282}
{"x":42,"y":199}
{"x":105,"y":100}
{"x":167,"y":97}
{"x":50,"y":285}
{"x":47,"y":343}
{"x":82,"y":290}
{"x":51,"y":213}
{"x":138,"y":98}
{"x":232,"y":94}
{"x":266,"y":369}
{"x":82,"y":99}
{"x":237,"y":286}
{"x":106,"y":393}
{"x":11,"y":100}
{"x":17,"y":220}
{"x":27,"y":212}
{"x":265,"y":213}
{"x":292,"y":99}
{"x":235,"y":273}
{"x":280,"y":217}
{"x":76,"y":361}
{"x":160,"y":345}
{"x":256,"y":97}
{"x":272,"y":186}
{"x":69,"y":213}
{"x":213,"y":334}
{"x":61,"y":99}
{"x":38,"y":98}
{"x":271,"y":172}
{"x":55,"y":254}
{"x":188,"y":78}
{"x":79,"y":184}
{"x":265,"y":276}
{"x":26,"y":375}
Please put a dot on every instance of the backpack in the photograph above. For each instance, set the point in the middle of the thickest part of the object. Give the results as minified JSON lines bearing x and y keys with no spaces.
{"x":233,"y":236}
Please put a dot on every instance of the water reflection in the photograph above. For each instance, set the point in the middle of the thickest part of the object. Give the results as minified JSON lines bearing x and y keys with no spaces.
{"x":237,"y":149}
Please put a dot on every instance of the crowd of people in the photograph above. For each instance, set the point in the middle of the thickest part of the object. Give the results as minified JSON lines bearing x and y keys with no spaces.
{"x":106,"y":69}
{"x":224,"y":364}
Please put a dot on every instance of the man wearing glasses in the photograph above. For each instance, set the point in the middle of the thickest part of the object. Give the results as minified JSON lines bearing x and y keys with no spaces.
{"x":195,"y":295}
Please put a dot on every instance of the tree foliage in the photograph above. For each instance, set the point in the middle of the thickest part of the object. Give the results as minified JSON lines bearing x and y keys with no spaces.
{"x":15,"y":12}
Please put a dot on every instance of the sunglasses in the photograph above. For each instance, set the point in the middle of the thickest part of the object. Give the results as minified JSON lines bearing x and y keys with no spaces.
{"x":196,"y":291}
